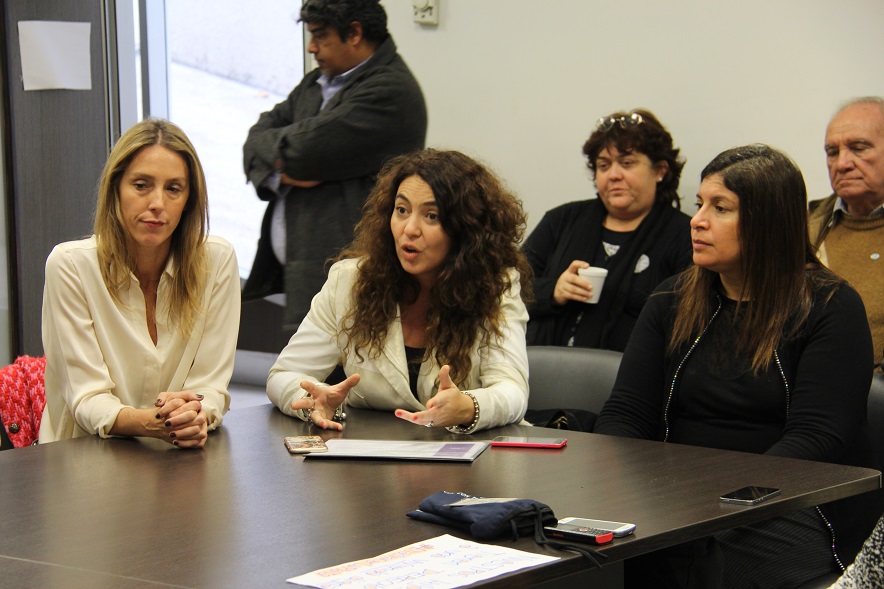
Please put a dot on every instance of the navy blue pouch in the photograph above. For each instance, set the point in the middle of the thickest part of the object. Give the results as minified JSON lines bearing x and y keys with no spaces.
{"x":487,"y":518}
{"x":484,"y":518}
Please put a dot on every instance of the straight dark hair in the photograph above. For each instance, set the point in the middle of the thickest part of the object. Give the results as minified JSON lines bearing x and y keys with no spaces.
{"x":780,"y":270}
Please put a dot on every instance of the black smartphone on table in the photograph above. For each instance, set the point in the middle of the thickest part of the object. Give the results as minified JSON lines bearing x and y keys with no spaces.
{"x":750,"y":495}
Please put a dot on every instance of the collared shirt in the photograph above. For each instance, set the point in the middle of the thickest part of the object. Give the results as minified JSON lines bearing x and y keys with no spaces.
{"x":841,"y":209}
{"x":100,"y":356}
{"x":329,"y":86}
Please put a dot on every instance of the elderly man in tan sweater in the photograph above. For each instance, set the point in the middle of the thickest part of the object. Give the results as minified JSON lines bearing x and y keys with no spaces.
{"x":848,"y":226}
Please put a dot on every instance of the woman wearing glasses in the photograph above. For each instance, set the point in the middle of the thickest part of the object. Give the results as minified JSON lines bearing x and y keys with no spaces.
{"x":756,"y":348}
{"x":634,"y":229}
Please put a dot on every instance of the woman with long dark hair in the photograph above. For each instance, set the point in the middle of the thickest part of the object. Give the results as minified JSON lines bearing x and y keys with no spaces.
{"x":756,"y":348}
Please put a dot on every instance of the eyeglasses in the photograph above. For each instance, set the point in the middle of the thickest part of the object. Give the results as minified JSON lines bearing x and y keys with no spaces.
{"x":625,"y":121}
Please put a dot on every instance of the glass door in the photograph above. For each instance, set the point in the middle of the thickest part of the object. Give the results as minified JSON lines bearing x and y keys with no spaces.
{"x":212,"y":67}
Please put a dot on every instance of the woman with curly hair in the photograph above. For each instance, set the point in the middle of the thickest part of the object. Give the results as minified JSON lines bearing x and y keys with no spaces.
{"x":425,"y":310}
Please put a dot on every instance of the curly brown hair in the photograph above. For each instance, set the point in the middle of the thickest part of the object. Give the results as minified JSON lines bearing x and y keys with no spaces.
{"x":485,"y":223}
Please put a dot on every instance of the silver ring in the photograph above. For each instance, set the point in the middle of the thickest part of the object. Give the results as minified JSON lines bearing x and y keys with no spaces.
{"x":313,"y":406}
{"x":431,"y":424}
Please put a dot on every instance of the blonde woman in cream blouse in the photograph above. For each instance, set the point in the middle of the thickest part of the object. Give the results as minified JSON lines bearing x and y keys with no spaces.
{"x":140,"y":320}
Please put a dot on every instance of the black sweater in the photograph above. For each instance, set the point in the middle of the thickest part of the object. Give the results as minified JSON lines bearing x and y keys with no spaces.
{"x":573,"y":232}
{"x":717,"y":402}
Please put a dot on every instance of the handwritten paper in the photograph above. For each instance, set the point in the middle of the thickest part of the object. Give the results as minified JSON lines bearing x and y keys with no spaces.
{"x":55,"y":55}
{"x":443,"y":562}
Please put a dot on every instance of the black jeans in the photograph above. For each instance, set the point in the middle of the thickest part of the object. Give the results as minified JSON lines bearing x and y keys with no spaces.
{"x":781,"y":553}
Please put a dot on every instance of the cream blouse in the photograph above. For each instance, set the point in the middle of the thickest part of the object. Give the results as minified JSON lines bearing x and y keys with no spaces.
{"x":100,"y":356}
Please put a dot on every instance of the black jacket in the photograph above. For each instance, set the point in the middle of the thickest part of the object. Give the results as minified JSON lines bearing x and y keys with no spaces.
{"x":573,"y":232}
{"x":379,"y":113}
{"x":822,"y":417}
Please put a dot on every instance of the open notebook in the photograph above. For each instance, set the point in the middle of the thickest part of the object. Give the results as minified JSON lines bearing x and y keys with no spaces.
{"x":401,"y":450}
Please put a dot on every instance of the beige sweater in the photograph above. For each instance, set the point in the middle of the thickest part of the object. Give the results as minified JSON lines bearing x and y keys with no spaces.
{"x":854,"y":248}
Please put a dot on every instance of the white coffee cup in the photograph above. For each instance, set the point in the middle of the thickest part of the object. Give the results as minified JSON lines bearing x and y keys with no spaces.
{"x":596,"y":277}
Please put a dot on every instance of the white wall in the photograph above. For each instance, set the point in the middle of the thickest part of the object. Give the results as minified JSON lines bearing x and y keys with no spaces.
{"x":520,"y":83}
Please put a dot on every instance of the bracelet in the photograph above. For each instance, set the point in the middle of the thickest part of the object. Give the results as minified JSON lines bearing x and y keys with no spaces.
{"x":307,"y":412}
{"x":466,"y":429}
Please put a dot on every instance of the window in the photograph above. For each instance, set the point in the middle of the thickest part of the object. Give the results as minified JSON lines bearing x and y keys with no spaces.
{"x":225,"y":63}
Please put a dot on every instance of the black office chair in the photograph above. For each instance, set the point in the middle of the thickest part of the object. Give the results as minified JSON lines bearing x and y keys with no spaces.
{"x":570,"y":378}
{"x":876,"y":426}
{"x":876,"y":412}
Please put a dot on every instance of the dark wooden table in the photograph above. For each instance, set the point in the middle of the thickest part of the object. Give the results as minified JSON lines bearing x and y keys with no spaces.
{"x":245,"y":513}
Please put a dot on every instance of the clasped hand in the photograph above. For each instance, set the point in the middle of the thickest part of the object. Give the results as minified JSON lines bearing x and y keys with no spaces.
{"x":181,"y":420}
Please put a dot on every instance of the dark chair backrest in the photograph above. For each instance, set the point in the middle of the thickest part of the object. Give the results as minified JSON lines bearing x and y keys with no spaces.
{"x":570,"y":378}
{"x":876,"y":413}
{"x":876,"y":425}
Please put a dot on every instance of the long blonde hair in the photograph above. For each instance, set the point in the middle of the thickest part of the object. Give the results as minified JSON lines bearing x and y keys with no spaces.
{"x":187,"y":242}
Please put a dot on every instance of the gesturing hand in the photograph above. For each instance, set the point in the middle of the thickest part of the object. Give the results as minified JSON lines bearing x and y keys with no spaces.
{"x":323,"y":400}
{"x":446,"y":408}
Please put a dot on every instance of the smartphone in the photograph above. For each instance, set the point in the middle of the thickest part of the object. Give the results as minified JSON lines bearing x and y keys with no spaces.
{"x":619,"y":529}
{"x":579,"y":533}
{"x":750,"y":495}
{"x":529,"y":442}
{"x":305,"y":444}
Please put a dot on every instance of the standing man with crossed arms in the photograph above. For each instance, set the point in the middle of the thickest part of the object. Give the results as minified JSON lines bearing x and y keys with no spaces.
{"x":315,"y":155}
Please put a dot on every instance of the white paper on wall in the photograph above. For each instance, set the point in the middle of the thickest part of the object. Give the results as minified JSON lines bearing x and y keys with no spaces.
{"x":55,"y":55}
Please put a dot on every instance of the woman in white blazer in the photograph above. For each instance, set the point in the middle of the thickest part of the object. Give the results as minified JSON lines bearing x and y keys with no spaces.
{"x":425,"y":310}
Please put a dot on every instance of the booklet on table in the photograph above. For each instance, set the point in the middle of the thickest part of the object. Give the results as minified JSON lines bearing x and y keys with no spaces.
{"x":401,"y":450}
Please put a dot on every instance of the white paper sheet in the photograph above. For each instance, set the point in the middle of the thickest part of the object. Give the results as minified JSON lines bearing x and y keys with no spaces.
{"x":55,"y":55}
{"x":444,"y":562}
